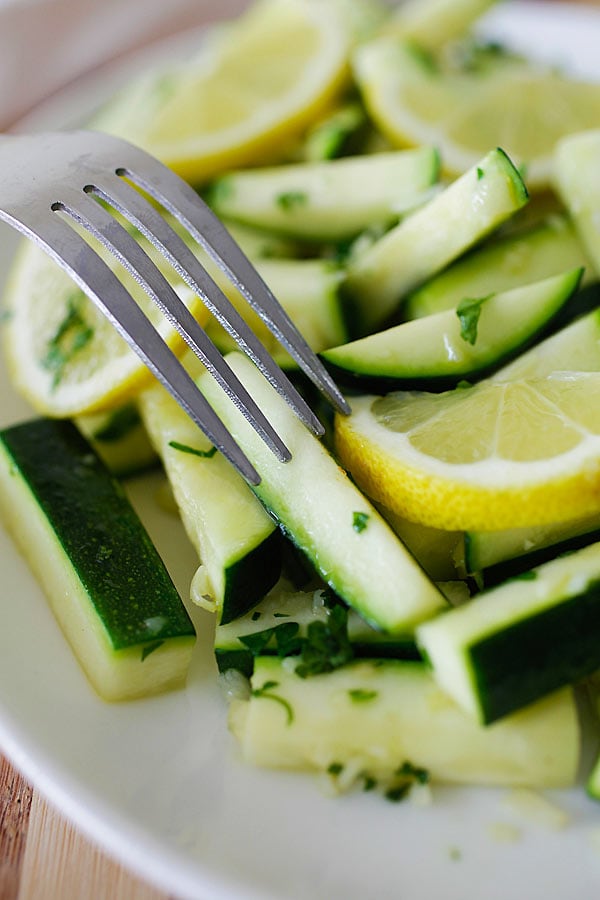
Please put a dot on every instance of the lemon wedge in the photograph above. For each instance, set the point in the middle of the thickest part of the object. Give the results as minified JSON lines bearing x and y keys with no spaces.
{"x":493,"y":456}
{"x":465,"y":107}
{"x":62,"y":354}
{"x":255,"y":85}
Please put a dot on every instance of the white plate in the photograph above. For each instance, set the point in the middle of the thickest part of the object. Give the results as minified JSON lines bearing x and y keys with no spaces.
{"x":157,"y":783}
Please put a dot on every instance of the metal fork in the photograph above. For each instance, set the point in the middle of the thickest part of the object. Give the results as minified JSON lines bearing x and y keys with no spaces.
{"x":50,"y":182}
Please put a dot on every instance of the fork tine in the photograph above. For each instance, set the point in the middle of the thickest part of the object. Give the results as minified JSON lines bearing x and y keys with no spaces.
{"x":103,"y":287}
{"x":175,"y":195}
{"x":139,"y":212}
{"x":91,"y":215}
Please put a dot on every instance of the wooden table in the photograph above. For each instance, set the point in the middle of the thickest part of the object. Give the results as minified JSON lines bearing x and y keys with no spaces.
{"x":42,"y":857}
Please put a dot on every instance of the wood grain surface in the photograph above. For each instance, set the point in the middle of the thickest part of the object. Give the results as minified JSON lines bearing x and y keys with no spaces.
{"x":42,"y":857}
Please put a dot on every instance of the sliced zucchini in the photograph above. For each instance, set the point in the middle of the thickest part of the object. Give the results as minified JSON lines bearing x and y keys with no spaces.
{"x":120,"y":440}
{"x":339,"y":134}
{"x":431,"y":238}
{"x":350,"y":545}
{"x":501,"y":264}
{"x":522,"y":640}
{"x":577,"y":182}
{"x":238,"y":543}
{"x":281,"y":622}
{"x":436,"y":352}
{"x":104,"y":579}
{"x":368,"y":720}
{"x":309,"y":291}
{"x":497,"y":555}
{"x":328,"y":201}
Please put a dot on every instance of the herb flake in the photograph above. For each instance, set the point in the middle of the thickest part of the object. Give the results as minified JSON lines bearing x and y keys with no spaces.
{"x":360,"y":521}
{"x":265,"y":691}
{"x":289,"y":200}
{"x":468,"y":312}
{"x":185,"y":448}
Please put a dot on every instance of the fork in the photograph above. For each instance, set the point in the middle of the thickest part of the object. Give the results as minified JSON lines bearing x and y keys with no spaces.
{"x":52,"y":182}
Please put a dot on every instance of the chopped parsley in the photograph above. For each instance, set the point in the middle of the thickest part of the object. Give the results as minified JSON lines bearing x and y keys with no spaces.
{"x":283,"y":638}
{"x":327,"y":645}
{"x":405,"y":777}
{"x":288,"y":200}
{"x":184,"y":448}
{"x":255,"y":615}
{"x":468,"y":312}
{"x":480,"y":173}
{"x":71,"y":336}
{"x":369,"y":783}
{"x":266,"y":691}
{"x":359,"y":521}
{"x":335,"y":768}
{"x":361,"y":695}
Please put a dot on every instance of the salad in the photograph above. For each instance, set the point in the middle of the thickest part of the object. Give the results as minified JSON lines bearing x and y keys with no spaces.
{"x":412,"y":599}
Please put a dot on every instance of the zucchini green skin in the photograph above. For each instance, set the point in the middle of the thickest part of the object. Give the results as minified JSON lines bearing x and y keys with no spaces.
{"x":501,"y":264}
{"x":87,"y":541}
{"x":429,"y":239}
{"x":522,"y":640}
{"x":432,"y":354}
{"x":552,"y":546}
{"x":239,"y":544}
{"x":369,"y":717}
{"x":318,"y":506}
{"x":328,"y":201}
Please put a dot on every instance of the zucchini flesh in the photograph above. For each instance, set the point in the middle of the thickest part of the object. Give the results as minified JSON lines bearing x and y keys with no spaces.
{"x":328,"y":201}
{"x":238,"y":543}
{"x":370,"y":717}
{"x":308,"y":290}
{"x":494,"y":556}
{"x":431,"y":238}
{"x":522,"y":640}
{"x":106,"y":584}
{"x":352,"y":548}
{"x":434,"y":353}
{"x":119,"y":439}
{"x":500,"y":265}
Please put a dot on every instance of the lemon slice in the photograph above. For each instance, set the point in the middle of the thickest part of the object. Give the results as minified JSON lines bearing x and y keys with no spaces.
{"x":253,"y":88}
{"x":463,"y":109}
{"x":62,"y":354}
{"x":493,"y":456}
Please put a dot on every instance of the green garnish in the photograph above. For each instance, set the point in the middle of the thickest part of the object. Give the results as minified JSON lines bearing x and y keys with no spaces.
{"x":406,"y":776}
{"x":184,"y":448}
{"x":266,"y":691}
{"x":468,"y":312}
{"x":71,"y":336}
{"x":361,"y":695}
{"x":369,"y":783}
{"x":284,"y":638}
{"x":480,"y":173}
{"x":327,"y":645}
{"x":255,"y":615}
{"x":291,"y":199}
{"x":335,"y":768}
{"x":359,"y":521}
